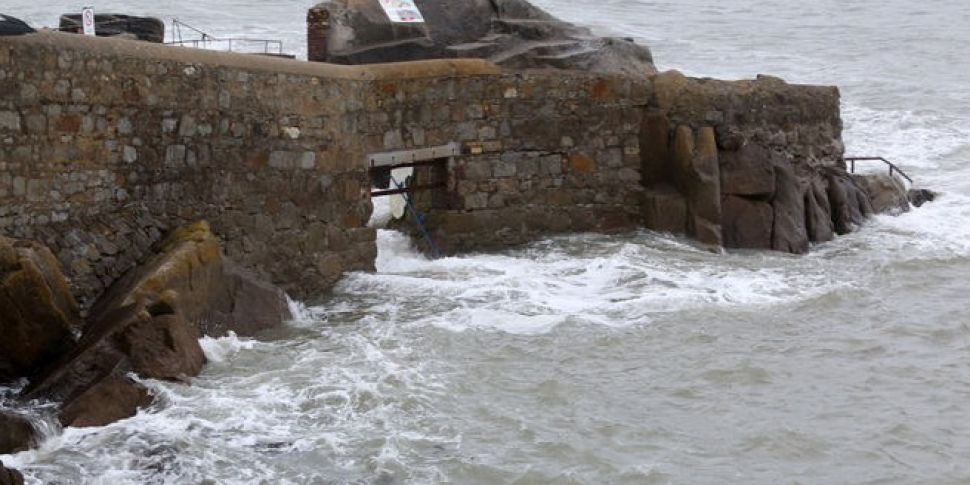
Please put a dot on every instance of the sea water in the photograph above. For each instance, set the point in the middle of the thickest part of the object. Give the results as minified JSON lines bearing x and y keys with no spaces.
{"x":593,"y":359}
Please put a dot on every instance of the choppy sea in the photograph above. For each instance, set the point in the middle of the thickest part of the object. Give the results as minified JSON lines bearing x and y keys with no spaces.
{"x":590,"y":359}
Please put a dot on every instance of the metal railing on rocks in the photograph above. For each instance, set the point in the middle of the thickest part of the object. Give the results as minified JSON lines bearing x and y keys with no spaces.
{"x":893,"y":168}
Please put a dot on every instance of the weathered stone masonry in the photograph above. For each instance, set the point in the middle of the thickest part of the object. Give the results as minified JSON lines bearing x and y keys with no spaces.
{"x":106,"y":145}
{"x":543,"y":153}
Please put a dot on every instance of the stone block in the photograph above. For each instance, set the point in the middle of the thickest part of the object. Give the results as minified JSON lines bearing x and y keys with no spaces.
{"x":129,"y":154}
{"x":10,"y":121}
{"x":175,"y":155}
{"x":550,"y":165}
{"x":477,"y":169}
{"x":503,"y":169}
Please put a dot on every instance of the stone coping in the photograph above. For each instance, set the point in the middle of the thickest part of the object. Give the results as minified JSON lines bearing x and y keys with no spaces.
{"x":146,"y":50}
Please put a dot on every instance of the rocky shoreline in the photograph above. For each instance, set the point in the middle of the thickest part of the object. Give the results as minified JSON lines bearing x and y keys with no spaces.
{"x":204,"y":214}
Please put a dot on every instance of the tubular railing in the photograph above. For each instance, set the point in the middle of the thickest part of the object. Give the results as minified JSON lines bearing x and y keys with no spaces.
{"x":893,"y":169}
{"x":207,"y":41}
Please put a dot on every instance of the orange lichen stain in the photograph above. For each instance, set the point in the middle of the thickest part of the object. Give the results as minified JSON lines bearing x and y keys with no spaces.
{"x":580,"y":163}
{"x":388,"y":89}
{"x":258,"y":160}
{"x":68,"y":124}
{"x":600,"y":89}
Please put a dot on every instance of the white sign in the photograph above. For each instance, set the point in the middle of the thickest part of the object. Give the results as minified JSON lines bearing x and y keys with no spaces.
{"x":402,"y":11}
{"x":87,"y":20}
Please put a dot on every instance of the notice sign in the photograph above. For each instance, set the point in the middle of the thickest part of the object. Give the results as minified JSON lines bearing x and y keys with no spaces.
{"x":402,"y":11}
{"x":87,"y":20}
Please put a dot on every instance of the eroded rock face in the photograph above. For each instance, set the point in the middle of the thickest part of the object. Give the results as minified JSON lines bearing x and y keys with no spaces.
{"x":149,"y":324}
{"x":38,"y":314}
{"x":511,"y":33}
{"x":777,"y":167}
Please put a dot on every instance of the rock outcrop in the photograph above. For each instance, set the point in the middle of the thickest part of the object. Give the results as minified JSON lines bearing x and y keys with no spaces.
{"x":510,"y":33}
{"x":16,"y":433}
{"x":148,"y":29}
{"x":10,"y":477}
{"x":752,"y":164}
{"x":38,"y":314}
{"x":149,"y":323}
{"x":887,"y":194}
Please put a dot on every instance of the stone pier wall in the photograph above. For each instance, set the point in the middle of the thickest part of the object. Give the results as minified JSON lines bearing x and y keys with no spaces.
{"x":105,"y":145}
{"x":541,"y":153}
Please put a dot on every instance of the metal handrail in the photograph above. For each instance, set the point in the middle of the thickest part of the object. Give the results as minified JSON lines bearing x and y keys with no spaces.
{"x":893,"y":169}
{"x":206,"y":39}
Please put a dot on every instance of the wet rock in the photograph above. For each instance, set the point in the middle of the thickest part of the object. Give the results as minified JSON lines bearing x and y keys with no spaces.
{"x":818,"y":214}
{"x":887,"y":194}
{"x":698,"y":179}
{"x":149,"y":323}
{"x":191,"y":275}
{"x":665,"y":210}
{"x":511,"y":33}
{"x":918,"y":197}
{"x":113,"y":398}
{"x":38,"y":314}
{"x":10,"y":477}
{"x":16,"y":433}
{"x":790,"y":233}
{"x":850,"y":204}
{"x":749,"y":171}
{"x":747,"y":223}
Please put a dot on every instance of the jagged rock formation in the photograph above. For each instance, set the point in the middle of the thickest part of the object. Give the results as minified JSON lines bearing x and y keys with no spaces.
{"x":38,"y":314}
{"x":751,"y":164}
{"x":149,"y":323}
{"x":510,"y":33}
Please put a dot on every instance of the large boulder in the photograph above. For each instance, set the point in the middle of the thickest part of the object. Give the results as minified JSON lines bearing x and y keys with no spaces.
{"x":149,"y":323}
{"x":38,"y":314}
{"x":511,"y":33}
{"x":16,"y":433}
{"x":13,"y":26}
{"x":10,"y":477}
{"x":887,"y":194}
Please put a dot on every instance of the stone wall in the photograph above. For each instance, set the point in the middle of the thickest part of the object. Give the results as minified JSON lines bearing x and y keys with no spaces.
{"x":105,"y":145}
{"x":747,"y":164}
{"x":541,"y":154}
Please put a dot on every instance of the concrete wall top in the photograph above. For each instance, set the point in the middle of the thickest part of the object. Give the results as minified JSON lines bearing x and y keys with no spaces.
{"x":146,"y":51}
